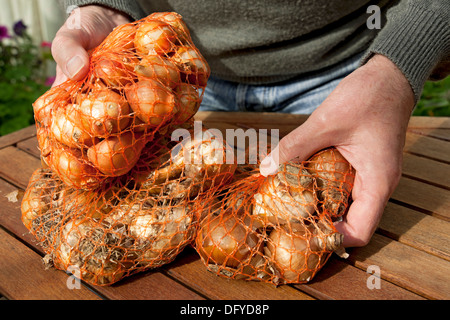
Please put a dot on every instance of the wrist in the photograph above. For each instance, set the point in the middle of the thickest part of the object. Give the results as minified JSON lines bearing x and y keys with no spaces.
{"x":394,"y":81}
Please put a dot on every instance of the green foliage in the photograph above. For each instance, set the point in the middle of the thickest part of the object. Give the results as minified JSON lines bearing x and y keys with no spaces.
{"x":435,"y":99}
{"x":23,"y":78}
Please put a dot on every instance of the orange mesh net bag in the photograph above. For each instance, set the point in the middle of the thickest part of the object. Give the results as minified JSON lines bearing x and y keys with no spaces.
{"x":277,"y":229}
{"x":144,"y":77}
{"x":137,"y":221}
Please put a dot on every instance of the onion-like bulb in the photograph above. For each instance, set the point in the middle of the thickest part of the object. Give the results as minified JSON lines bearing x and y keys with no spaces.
{"x":152,"y":102}
{"x":291,"y":256}
{"x":154,"y":37}
{"x":225,"y":241}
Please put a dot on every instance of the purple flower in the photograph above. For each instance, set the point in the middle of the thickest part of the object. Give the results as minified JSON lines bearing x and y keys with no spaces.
{"x":4,"y":34}
{"x":19,"y":28}
{"x":49,"y":81}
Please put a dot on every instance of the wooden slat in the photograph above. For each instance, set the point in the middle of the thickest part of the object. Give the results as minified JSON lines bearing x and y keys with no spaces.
{"x":443,"y":134}
{"x":340,"y":281}
{"x":30,"y":145}
{"x":22,"y":275}
{"x":328,"y":284}
{"x":251,"y":117}
{"x":189,"y":269}
{"x":424,"y":196}
{"x":10,"y":220}
{"x":427,"y":170}
{"x":17,"y":166}
{"x":416,"y":229}
{"x":10,"y":215}
{"x":17,"y":136}
{"x":408,"y":267}
{"x":429,"y":122}
{"x":284,"y":119}
{"x":428,"y":147}
{"x":282,"y":130}
{"x":149,"y":286}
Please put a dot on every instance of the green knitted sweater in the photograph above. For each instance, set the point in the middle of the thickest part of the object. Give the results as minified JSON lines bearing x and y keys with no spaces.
{"x":260,"y":42}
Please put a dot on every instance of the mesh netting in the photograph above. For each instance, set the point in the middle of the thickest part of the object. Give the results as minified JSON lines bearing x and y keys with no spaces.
{"x":277,"y":229}
{"x":135,"y":222}
{"x":143,"y":77}
{"x":118,"y":192}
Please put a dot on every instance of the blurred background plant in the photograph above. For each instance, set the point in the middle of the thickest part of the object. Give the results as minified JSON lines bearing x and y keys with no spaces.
{"x":435,"y":100}
{"x":24,"y":76}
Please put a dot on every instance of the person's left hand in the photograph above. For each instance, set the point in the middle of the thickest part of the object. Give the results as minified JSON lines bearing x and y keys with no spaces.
{"x":365,"y":118}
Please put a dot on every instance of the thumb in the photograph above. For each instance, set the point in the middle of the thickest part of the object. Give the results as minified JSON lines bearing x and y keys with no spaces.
{"x":300,"y":143}
{"x":70,"y":54}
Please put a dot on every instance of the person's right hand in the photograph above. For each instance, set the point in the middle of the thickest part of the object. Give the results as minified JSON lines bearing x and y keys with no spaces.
{"x":71,"y":44}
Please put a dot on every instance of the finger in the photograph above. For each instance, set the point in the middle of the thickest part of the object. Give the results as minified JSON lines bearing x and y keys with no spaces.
{"x":371,"y":191}
{"x":60,"y":77}
{"x":298,"y":144}
{"x":361,"y":221}
{"x":69,"y":53}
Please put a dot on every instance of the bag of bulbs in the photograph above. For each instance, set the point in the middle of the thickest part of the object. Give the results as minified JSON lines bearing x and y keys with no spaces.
{"x":144,"y":77}
{"x":138,"y":221}
{"x":116,"y":195}
{"x":277,"y":229}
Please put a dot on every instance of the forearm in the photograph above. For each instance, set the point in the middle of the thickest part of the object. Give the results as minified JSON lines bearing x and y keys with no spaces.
{"x":416,"y":38}
{"x":129,"y":7}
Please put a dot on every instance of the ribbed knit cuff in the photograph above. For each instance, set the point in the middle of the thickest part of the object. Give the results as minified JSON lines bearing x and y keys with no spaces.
{"x":416,"y":39}
{"x":129,"y":7}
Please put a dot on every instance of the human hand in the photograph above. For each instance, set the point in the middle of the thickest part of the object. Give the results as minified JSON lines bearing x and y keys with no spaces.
{"x":70,"y":46}
{"x":365,"y":118}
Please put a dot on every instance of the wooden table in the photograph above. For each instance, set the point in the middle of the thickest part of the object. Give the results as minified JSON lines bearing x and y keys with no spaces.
{"x":411,"y":247}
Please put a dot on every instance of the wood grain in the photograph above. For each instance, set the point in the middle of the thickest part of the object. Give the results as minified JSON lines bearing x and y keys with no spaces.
{"x":410,"y":245}
{"x":434,"y":200}
{"x":429,"y":147}
{"x":416,"y":229}
{"x":426,"y":170}
{"x":30,"y":145}
{"x":189,"y":269}
{"x":23,"y":277}
{"x":13,"y":138}
{"x":339,"y":280}
{"x":17,"y":166}
{"x":405,"y":266}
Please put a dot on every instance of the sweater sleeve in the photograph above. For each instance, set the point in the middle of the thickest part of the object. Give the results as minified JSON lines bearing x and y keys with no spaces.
{"x":416,"y":37}
{"x":129,"y":7}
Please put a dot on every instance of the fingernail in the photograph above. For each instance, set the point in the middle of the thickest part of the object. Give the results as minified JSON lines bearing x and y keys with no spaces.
{"x":268,"y":166}
{"x":74,"y":66}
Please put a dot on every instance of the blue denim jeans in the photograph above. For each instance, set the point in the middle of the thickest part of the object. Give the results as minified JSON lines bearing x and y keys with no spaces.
{"x":301,"y":95}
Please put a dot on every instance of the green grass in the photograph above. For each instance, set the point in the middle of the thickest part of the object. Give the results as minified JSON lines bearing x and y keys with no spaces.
{"x":435,"y":99}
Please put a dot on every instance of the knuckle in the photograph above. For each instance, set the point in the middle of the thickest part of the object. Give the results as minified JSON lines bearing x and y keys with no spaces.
{"x":57,"y":44}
